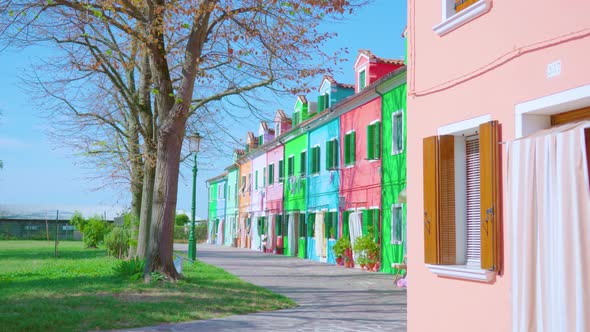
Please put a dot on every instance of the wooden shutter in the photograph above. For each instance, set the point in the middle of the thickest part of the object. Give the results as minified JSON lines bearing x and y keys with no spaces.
{"x":439,"y":200}
{"x":377,"y":225}
{"x":371,"y":142}
{"x":303,"y":163}
{"x":367,"y":216}
{"x":491,"y":211}
{"x":430,"y":152}
{"x":321,"y":103}
{"x":281,"y":170}
{"x":335,"y":160}
{"x":346,"y":149}
{"x":316,"y":159}
{"x":571,"y":116}
{"x":447,"y":226}
{"x":264,"y":177}
{"x":352,"y":147}
{"x":291,"y":166}
{"x":271,"y":174}
{"x":329,"y":154}
{"x":345,"y":228}
{"x":377,"y":133}
{"x":256,"y":180}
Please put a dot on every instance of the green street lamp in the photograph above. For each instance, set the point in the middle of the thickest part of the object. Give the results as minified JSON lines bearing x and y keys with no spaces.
{"x":193,"y":146}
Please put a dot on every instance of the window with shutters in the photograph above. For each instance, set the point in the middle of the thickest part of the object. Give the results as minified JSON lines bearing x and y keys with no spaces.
{"x":332,"y":154}
{"x":271,"y":174}
{"x":371,"y":223}
{"x":350,"y":148}
{"x":303,"y":163}
{"x":249,"y":186}
{"x":397,"y":132}
{"x":260,"y":140}
{"x":458,"y":12}
{"x":315,"y":160}
{"x":331,"y":220}
{"x":291,"y":166}
{"x":397,"y":215}
{"x":374,"y":141}
{"x":256,"y":180}
{"x":243,"y":184}
{"x":462,"y":213}
{"x":263,"y":177}
{"x":323,"y":102}
{"x":362,"y":79}
{"x":281,"y":170}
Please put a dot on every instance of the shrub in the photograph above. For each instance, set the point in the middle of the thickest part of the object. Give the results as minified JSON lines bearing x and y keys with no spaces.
{"x":365,"y":249}
{"x":201,"y":232}
{"x":180,"y":233}
{"x":340,"y":246}
{"x":78,"y":221}
{"x":117,"y":242}
{"x":132,"y":269}
{"x":94,"y":232}
{"x":181,"y":219}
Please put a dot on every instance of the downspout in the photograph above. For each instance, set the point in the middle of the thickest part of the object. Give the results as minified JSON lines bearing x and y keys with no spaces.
{"x":381,"y":179}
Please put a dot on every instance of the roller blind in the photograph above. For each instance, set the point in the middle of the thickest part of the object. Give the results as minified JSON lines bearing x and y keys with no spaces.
{"x":473,"y":201}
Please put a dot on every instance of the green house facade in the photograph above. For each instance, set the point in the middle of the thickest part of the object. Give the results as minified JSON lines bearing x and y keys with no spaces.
{"x":394,"y":179}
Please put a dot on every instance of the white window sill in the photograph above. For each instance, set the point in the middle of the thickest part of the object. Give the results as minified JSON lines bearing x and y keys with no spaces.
{"x":462,"y":272}
{"x":396,"y":152}
{"x":451,"y":23}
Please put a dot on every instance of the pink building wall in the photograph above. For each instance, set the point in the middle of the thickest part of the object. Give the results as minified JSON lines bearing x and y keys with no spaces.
{"x":274,"y":192}
{"x":484,"y":67}
{"x":360,"y":184}
{"x":257,"y":196}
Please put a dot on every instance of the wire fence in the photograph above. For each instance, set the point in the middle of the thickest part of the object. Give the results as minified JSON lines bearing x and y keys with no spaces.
{"x":38,"y":230}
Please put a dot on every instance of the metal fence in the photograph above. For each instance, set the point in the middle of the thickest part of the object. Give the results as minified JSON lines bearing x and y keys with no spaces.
{"x":38,"y":230}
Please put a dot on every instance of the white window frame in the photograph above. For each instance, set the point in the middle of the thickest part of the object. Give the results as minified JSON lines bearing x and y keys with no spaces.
{"x":401,"y":240}
{"x":451,"y":20}
{"x":395,"y":151}
{"x":535,"y":115}
{"x":461,"y":270}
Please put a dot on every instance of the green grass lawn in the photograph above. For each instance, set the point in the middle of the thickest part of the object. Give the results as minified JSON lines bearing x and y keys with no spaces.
{"x":80,"y":291}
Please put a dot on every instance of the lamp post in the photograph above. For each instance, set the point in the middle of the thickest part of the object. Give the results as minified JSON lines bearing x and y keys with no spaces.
{"x":194,"y":144}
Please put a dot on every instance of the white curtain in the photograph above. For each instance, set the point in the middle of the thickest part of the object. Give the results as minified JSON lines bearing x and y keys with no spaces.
{"x":219,"y":239}
{"x":292,"y":238}
{"x":242,"y":232}
{"x":548,"y":205}
{"x":355,"y":228}
{"x":254,"y":237}
{"x":319,"y":234}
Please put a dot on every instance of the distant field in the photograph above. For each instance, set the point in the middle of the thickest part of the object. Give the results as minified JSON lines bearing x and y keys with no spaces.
{"x":79,"y":291}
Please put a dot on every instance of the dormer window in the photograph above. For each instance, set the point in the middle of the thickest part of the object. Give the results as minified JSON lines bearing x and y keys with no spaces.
{"x":458,"y":12}
{"x":323,"y":101}
{"x":362,"y":79}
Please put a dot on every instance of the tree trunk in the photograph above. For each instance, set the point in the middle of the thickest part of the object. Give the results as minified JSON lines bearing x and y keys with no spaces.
{"x":145,"y":215}
{"x":165,"y":193}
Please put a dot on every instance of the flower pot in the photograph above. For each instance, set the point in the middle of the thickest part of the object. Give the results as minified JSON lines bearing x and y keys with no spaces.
{"x":347,"y":264}
{"x":339,"y":260}
{"x":370,"y":266}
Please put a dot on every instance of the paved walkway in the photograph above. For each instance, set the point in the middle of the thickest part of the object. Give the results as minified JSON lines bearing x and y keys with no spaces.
{"x":330,"y":298}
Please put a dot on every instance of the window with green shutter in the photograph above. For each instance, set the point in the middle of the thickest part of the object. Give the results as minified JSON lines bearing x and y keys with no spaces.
{"x":374,"y":141}
{"x":271,"y":174}
{"x":321,"y":103}
{"x":362,"y":80}
{"x":397,"y":129}
{"x":303,"y":164}
{"x":255,"y":180}
{"x":345,"y":229}
{"x":350,"y":148}
{"x":260,"y":140}
{"x":332,"y":154}
{"x":291,"y":166}
{"x":264,"y":177}
{"x":315,"y":160}
{"x":281,"y":170}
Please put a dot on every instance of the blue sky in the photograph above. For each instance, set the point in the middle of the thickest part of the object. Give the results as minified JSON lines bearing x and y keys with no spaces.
{"x":38,"y":171}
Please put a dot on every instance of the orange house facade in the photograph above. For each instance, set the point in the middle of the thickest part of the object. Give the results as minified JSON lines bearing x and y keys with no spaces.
{"x":486,"y":79}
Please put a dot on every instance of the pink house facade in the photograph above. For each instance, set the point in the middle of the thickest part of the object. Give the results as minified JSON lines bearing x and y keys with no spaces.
{"x":482,"y":79}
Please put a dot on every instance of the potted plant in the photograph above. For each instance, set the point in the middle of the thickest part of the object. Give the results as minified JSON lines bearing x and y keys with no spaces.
{"x":340,"y":247}
{"x":366,"y":251}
